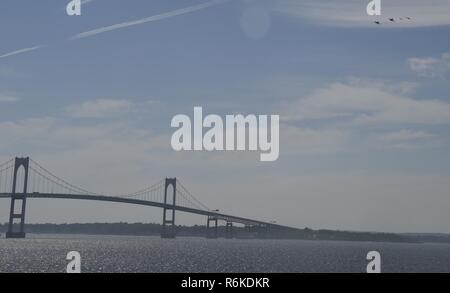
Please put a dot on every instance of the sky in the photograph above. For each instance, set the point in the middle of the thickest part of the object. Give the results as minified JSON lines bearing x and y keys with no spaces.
{"x":364,"y":107}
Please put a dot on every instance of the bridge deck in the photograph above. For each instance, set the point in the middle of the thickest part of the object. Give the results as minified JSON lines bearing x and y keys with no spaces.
{"x":105,"y":198}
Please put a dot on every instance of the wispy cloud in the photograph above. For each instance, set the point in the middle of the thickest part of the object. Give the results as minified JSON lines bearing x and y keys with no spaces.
{"x":353,"y":12}
{"x":368,"y":103}
{"x":100,"y":108}
{"x":406,"y":139}
{"x":148,"y":19}
{"x":430,"y":66}
{"x":20,"y":51}
{"x":7,"y":98}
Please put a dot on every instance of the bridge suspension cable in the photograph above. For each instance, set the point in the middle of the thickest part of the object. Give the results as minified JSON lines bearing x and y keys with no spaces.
{"x":6,"y":176}
{"x":188,"y":199}
{"x":153,"y":193}
{"x":10,"y":162}
{"x":42,"y":181}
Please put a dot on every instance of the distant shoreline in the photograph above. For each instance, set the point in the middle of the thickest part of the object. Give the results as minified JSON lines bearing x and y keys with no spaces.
{"x":149,"y":229}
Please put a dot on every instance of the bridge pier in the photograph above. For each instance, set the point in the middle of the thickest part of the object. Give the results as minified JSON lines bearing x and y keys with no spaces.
{"x":229,"y":233}
{"x":18,"y":200}
{"x":168,"y":226}
{"x":212,"y":231}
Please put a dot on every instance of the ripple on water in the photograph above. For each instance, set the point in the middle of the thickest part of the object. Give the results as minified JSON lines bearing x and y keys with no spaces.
{"x":47,"y":253}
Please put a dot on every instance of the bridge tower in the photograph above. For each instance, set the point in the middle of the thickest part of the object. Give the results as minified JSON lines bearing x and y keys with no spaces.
{"x":169,"y":227}
{"x":212,"y":231}
{"x":18,"y":201}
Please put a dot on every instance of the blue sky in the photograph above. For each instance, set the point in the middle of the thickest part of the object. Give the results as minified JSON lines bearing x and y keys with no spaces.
{"x":365,"y":107}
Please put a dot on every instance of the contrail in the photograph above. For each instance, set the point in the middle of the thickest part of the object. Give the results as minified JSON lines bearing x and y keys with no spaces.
{"x":20,"y":51}
{"x":127,"y":24}
{"x":147,"y":19}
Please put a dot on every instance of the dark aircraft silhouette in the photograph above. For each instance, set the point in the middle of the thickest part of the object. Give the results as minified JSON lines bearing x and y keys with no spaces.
{"x":378,"y":22}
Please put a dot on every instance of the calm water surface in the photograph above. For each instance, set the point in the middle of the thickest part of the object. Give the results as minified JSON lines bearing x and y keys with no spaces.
{"x":47,"y":253}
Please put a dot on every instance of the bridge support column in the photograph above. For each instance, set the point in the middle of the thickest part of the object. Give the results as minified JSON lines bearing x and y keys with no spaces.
{"x":229,"y":233}
{"x":212,"y":231}
{"x":18,"y":202}
{"x":169,"y":227}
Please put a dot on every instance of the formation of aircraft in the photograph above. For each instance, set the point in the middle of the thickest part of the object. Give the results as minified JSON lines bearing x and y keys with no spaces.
{"x":378,"y":22}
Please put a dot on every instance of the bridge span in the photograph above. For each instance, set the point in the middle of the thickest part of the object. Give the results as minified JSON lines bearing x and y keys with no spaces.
{"x":23,"y":178}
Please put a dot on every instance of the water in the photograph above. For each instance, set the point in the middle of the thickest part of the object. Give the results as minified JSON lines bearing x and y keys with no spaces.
{"x":47,"y":253}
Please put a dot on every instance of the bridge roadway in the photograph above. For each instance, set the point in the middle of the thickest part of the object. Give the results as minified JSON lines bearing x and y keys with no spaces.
{"x":220,"y":216}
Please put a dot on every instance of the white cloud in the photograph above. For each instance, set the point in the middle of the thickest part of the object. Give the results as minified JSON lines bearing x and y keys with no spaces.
{"x":430,"y":66}
{"x":114,"y":157}
{"x":405,"y":139}
{"x":113,"y":150}
{"x":406,"y":135}
{"x":368,"y":103}
{"x":299,"y":140}
{"x":364,"y":115}
{"x":7,"y":98}
{"x":100,"y":108}
{"x":26,"y":128}
{"x":353,"y":12}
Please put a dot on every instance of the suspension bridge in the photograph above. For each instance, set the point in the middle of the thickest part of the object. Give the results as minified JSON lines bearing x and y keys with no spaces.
{"x":23,"y":178}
